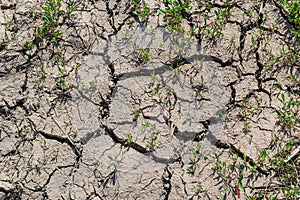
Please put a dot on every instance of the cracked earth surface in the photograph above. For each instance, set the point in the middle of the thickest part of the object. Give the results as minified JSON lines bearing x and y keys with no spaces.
{"x":93,"y":116}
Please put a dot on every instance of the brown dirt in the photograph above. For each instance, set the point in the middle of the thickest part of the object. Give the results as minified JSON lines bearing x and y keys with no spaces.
{"x":55,"y":143}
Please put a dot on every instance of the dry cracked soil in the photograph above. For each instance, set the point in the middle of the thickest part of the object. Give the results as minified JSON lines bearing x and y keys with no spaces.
{"x":103,"y":99}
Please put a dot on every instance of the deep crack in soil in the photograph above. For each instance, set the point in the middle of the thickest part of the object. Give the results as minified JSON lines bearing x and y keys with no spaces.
{"x":149,"y":99}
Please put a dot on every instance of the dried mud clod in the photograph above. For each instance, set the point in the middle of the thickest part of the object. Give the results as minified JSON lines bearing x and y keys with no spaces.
{"x":149,"y":99}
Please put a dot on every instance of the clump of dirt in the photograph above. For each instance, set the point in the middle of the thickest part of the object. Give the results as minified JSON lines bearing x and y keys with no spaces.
{"x":148,"y":100}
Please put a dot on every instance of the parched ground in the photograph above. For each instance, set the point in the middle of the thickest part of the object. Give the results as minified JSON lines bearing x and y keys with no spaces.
{"x":149,"y":100}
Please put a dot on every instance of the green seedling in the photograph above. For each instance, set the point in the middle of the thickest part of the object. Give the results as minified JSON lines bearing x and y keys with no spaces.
{"x":126,"y":32}
{"x":142,"y":10}
{"x":215,"y":28}
{"x":294,"y":79}
{"x":143,"y":55}
{"x":17,"y":169}
{"x":28,"y":46}
{"x":188,"y":115}
{"x":288,"y":173}
{"x":172,"y":15}
{"x":153,"y":77}
{"x":200,"y":88}
{"x":246,"y":110}
{"x":198,"y":189}
{"x":78,"y":65}
{"x":115,"y":162}
{"x":50,"y":18}
{"x":40,"y":77}
{"x":92,"y":84}
{"x":289,"y":113}
{"x":53,"y":16}
{"x":44,"y":144}
{"x":60,"y":79}
{"x":26,"y":129}
{"x":128,"y":139}
{"x":136,"y":114}
{"x":233,"y":45}
{"x":54,"y":152}
{"x":292,"y":56}
{"x":293,"y":9}
{"x":151,"y":145}
{"x":62,"y":74}
{"x":195,"y":159}
{"x":231,"y":174}
{"x":156,"y":89}
{"x":147,"y":124}
{"x":3,"y":45}
{"x":176,"y":67}
{"x":247,"y":127}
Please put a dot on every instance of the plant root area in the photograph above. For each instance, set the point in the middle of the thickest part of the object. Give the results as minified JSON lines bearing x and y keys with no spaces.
{"x":145,"y":99}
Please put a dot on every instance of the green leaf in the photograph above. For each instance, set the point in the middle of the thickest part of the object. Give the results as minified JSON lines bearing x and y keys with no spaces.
{"x":110,"y":158}
{"x":154,"y":137}
{"x":293,"y":77}
{"x":48,"y":19}
{"x":54,"y":152}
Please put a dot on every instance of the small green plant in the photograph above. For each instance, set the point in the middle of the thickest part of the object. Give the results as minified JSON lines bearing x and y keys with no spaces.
{"x":225,"y":115}
{"x":142,"y":10}
{"x":149,"y":128}
{"x":156,"y":89}
{"x":40,"y":77}
{"x":247,"y":126}
{"x":293,"y":9}
{"x":126,"y":32}
{"x":148,"y":124}
{"x":233,"y":44}
{"x":115,"y":162}
{"x":44,"y":144}
{"x":198,"y":189}
{"x":287,"y":169}
{"x":3,"y":45}
{"x":289,"y":113}
{"x":292,"y":54}
{"x":214,"y":24}
{"x":92,"y":84}
{"x":232,"y":173}
{"x":26,"y":129}
{"x":176,"y":67}
{"x":221,"y":15}
{"x":173,"y":15}
{"x":54,"y":153}
{"x":53,"y":16}
{"x":136,"y":114}
{"x":143,"y":55}
{"x":197,"y":154}
{"x":60,"y":80}
{"x":28,"y":46}
{"x":151,"y":145}
{"x":90,"y":88}
{"x":220,"y":167}
{"x":295,"y":81}
{"x":127,"y":138}
{"x":200,"y":88}
{"x":51,"y":19}
{"x":246,"y":111}
{"x":153,"y":77}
